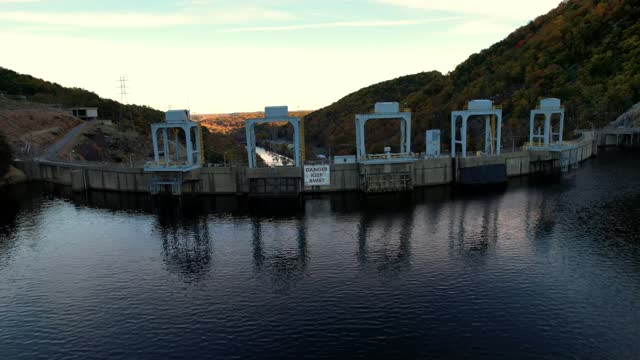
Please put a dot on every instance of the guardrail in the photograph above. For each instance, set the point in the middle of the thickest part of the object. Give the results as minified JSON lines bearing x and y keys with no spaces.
{"x":388,"y":156}
{"x":402,"y":110}
{"x":494,"y":107}
{"x":535,"y":143}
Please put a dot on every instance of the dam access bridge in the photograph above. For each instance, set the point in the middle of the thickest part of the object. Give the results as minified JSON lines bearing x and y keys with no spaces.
{"x":622,"y":136}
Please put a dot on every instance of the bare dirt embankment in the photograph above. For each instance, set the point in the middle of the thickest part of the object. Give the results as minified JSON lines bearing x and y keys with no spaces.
{"x":107,"y":143}
{"x":39,"y":125}
{"x":42,"y":126}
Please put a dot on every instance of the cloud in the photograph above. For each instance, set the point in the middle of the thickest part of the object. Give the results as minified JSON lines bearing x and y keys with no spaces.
{"x":505,"y":9}
{"x":196,"y":2}
{"x":245,"y":14}
{"x":95,"y":20}
{"x":140,"y":20}
{"x":481,"y":27}
{"x":342,"y":24}
{"x":220,"y":11}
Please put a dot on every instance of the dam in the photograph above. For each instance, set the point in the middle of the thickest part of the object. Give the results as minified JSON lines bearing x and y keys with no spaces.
{"x":178,"y":169}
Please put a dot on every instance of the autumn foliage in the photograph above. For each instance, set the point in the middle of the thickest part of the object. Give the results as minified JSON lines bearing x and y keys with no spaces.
{"x":585,"y":52}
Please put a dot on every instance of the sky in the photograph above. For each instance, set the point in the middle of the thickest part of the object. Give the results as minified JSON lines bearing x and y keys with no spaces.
{"x":219,"y":56}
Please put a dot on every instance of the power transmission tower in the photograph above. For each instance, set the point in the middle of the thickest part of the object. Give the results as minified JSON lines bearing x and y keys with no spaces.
{"x":123,"y":90}
{"x":123,"y":94}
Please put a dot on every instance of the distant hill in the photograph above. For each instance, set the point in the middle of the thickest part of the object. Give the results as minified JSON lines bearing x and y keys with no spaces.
{"x":585,"y":52}
{"x":228,"y":123}
{"x":227,"y":135}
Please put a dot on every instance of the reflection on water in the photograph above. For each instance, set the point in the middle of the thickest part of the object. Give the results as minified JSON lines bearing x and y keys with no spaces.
{"x":8,"y":217}
{"x":384,"y":239}
{"x":285,"y":262}
{"x":186,"y":243}
{"x":544,"y":268}
{"x":473,"y":231}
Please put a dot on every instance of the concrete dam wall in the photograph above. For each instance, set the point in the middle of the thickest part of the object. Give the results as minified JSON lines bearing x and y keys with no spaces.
{"x":344,"y":177}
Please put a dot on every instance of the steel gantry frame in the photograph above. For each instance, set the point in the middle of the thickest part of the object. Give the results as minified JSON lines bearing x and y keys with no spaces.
{"x":176,"y":120}
{"x":272,"y":114}
{"x":547,"y":107}
{"x":477,"y":108}
{"x":385,"y":110}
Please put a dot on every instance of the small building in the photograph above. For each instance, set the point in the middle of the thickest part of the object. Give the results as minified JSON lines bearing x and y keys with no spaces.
{"x":432,"y":144}
{"x":84,"y":113}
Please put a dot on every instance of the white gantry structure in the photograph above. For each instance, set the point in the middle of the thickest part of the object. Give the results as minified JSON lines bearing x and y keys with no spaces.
{"x":475,"y":108}
{"x":385,"y":110}
{"x":181,"y":144}
{"x":547,"y":137}
{"x":273,"y":114}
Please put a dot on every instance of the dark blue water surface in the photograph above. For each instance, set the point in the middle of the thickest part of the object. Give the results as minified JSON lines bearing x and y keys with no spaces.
{"x":548,"y":268}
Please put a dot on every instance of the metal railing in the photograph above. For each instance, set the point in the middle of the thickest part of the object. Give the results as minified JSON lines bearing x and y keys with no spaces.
{"x":388,"y":156}
{"x":402,"y":110}
{"x":533,"y":144}
{"x":494,"y":107}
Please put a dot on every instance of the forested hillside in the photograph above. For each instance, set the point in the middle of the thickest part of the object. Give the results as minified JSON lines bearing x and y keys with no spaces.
{"x":127,"y":117}
{"x":40,"y":91}
{"x":585,"y":52}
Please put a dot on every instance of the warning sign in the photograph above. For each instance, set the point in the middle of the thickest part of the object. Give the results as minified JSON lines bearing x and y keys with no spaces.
{"x":317,"y":175}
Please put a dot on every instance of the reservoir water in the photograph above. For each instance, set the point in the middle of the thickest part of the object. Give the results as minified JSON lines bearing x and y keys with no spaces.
{"x":546,"y":268}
